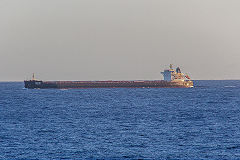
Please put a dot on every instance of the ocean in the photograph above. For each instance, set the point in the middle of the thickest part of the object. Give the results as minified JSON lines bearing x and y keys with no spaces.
{"x":121,"y":123}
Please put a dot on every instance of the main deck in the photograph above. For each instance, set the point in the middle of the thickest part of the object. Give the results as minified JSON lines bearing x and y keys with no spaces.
{"x":107,"y":84}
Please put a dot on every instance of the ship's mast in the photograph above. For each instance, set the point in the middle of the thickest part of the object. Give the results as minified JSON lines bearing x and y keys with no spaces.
{"x":33,"y":77}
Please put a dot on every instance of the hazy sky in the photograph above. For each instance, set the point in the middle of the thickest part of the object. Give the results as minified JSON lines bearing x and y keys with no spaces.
{"x":118,"y":39}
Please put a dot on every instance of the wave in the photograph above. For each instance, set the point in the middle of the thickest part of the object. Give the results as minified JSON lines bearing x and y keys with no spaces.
{"x":229,"y":86}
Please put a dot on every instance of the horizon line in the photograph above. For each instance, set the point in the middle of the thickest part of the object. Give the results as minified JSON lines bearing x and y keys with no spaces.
{"x":126,"y":80}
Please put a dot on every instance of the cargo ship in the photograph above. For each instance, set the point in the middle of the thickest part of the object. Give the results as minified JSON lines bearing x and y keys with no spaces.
{"x":172,"y":79}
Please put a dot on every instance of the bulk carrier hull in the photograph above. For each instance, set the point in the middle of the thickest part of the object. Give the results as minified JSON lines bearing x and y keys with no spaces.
{"x":172,"y":79}
{"x":34,"y":84}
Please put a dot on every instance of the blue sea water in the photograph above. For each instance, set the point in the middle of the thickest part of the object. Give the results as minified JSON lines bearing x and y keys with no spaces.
{"x":120,"y":123}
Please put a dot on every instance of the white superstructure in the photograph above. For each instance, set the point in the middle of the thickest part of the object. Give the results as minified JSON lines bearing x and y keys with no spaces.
{"x":172,"y":75}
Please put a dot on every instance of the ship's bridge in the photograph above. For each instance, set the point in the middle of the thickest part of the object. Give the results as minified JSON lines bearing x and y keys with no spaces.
{"x":172,"y":75}
{"x":168,"y":74}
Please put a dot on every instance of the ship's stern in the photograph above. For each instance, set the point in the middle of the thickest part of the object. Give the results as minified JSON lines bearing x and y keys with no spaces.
{"x":188,"y":83}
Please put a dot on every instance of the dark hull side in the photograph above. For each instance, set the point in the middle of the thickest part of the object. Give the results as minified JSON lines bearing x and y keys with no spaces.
{"x":35,"y":84}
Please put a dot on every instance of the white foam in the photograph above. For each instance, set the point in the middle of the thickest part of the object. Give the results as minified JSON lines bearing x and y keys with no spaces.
{"x":229,"y":86}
